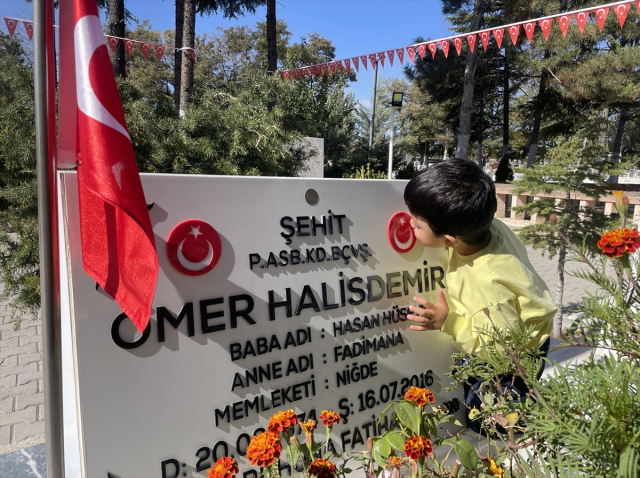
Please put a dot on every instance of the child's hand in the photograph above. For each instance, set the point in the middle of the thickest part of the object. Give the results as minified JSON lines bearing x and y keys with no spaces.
{"x":432,"y":316}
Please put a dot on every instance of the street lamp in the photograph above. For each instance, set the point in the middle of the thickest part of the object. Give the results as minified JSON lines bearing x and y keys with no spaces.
{"x":396,"y":102}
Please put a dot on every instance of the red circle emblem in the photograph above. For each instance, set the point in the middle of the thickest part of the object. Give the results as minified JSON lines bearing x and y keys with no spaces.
{"x":194,"y":247}
{"x":400,"y":233}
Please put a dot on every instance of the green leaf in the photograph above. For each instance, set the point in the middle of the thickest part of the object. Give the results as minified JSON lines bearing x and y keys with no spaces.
{"x":466,"y":454}
{"x":394,"y":439}
{"x":408,"y":416}
{"x":382,"y":447}
{"x":347,"y":470}
{"x":327,"y":455}
{"x":379,"y":460}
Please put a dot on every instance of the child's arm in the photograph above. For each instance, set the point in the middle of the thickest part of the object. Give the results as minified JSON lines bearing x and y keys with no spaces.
{"x":432,"y":316}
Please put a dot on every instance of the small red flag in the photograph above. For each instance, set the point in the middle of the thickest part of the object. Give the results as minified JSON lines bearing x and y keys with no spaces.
{"x":601,"y":16}
{"x":411,"y":51}
{"x":564,"y":21}
{"x":445,"y":47}
{"x":332,"y":66}
{"x":513,"y":33}
{"x":28,"y":26}
{"x":471,"y":40}
{"x":193,"y":56}
{"x":356,"y":63}
{"x":300,"y":72}
{"x":12,"y":24}
{"x":325,"y":69}
{"x":339,"y":66}
{"x":581,"y":18}
{"x":128,"y":45}
{"x":422,"y":49}
{"x":113,"y":43}
{"x":433,"y":46}
{"x":529,"y":28}
{"x":498,"y":34}
{"x":621,"y":12}
{"x":347,"y":64}
{"x":372,"y":59}
{"x":545,"y":24}
{"x":457,"y":42}
{"x":391,"y":55}
{"x":118,"y":244}
{"x":288,"y":75}
{"x":484,"y":37}
{"x":146,"y":47}
{"x":159,"y":51}
{"x":381,"y":58}
{"x":400,"y":52}
{"x":282,"y":76}
{"x":364,"y":61}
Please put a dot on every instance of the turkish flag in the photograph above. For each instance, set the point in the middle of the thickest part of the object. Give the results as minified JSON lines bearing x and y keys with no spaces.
{"x":400,"y":52}
{"x":128,"y":45}
{"x":332,"y":65}
{"x":513,"y":33}
{"x":529,"y":28}
{"x":339,"y":67}
{"x":347,"y":64}
{"x":159,"y":51}
{"x":457,"y":42}
{"x":364,"y":62}
{"x":621,"y":12}
{"x":390,"y":55}
{"x":498,"y":34}
{"x":411,"y":51}
{"x":433,"y":47}
{"x":28,"y":26}
{"x":471,"y":40}
{"x":564,"y":21}
{"x":118,"y":246}
{"x":445,"y":47}
{"x":11,"y":23}
{"x":545,"y":24}
{"x":601,"y":16}
{"x":581,"y":18}
{"x":356,"y":63}
{"x":113,"y":42}
{"x":146,"y":47}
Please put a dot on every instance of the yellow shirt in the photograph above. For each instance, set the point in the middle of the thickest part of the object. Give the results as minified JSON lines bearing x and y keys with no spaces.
{"x":500,"y":278}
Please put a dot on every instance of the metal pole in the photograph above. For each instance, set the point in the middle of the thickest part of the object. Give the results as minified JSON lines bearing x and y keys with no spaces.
{"x":393,"y":113}
{"x":49,"y":304}
{"x":373,"y":115}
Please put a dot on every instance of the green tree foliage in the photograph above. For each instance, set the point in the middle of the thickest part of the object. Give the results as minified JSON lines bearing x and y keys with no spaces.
{"x":18,"y":203}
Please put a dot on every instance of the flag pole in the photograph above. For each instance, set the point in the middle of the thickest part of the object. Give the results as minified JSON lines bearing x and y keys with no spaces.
{"x":44,"y":74}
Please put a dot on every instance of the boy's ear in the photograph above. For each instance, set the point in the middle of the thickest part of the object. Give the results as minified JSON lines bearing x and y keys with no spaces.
{"x":450,"y":241}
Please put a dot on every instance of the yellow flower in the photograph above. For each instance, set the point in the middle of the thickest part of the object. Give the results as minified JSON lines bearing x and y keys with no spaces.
{"x":492,"y":468}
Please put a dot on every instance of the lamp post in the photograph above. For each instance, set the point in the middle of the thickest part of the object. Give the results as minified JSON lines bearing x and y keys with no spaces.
{"x":396,"y":102}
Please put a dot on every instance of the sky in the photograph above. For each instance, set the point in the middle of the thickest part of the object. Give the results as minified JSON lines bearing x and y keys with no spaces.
{"x":356,"y":27}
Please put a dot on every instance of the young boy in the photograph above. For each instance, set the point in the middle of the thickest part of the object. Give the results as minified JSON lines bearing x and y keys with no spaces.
{"x":452,"y":204}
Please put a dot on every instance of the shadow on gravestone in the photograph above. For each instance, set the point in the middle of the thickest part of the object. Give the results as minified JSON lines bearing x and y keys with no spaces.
{"x":314,"y":166}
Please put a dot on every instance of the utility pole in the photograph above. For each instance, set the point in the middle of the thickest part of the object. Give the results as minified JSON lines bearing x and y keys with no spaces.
{"x":373,"y":115}
{"x":393,"y":113}
{"x":44,"y":85}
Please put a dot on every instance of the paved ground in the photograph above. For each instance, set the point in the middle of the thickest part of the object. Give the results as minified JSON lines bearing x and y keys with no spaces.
{"x":21,"y":393}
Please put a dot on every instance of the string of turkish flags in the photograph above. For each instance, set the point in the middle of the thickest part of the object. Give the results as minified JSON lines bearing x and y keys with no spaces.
{"x":564,"y":20}
{"x":146,"y":47}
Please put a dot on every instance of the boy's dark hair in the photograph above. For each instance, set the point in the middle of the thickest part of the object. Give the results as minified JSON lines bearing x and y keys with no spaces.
{"x":454,"y":197}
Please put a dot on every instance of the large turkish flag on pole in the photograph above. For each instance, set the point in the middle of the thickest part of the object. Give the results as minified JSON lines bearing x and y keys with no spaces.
{"x":118,"y":247}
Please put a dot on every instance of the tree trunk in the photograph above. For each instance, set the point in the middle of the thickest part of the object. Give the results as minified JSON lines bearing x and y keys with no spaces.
{"x":188,"y":40}
{"x":537,"y":119}
{"x":425,"y":154}
{"x":562,"y":255}
{"x":480,"y":161}
{"x":177,"y":66}
{"x":505,"y":107}
{"x":464,"y":129}
{"x":116,"y":29}
{"x":617,"y":144}
{"x":272,"y":43}
{"x":602,"y":137}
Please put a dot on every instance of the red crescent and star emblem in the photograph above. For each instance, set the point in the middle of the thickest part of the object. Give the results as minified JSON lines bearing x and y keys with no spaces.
{"x":400,"y":233}
{"x":194,"y":247}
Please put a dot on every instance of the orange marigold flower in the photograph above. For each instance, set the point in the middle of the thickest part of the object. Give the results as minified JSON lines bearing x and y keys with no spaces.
{"x":322,"y":468}
{"x":492,"y":468}
{"x":415,"y":447}
{"x":619,"y":241}
{"x":329,"y":418}
{"x":281,"y":422}
{"x":225,"y":467}
{"x":396,"y":462}
{"x":419,"y":395}
{"x":264,"y":449}
{"x":308,"y":427}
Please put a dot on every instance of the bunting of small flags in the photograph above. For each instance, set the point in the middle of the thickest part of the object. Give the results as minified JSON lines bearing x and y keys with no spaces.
{"x":146,"y":47}
{"x":599,"y":13}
